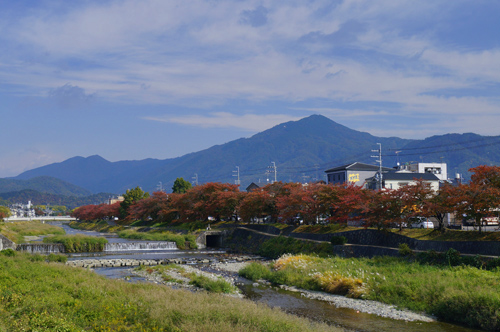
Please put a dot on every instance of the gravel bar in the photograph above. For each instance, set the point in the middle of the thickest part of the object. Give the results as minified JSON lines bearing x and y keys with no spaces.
{"x":229,"y":270}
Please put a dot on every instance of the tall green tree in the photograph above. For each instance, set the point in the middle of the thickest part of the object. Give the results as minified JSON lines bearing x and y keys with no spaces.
{"x":130,"y":197}
{"x":181,"y":186}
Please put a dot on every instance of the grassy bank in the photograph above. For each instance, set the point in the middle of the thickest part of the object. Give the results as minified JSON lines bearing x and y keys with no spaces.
{"x":100,"y":226}
{"x":183,"y":241}
{"x":16,"y":231}
{"x":40,"y":296}
{"x":280,"y":245}
{"x":78,"y":242}
{"x":460,"y":294}
{"x":448,"y":235}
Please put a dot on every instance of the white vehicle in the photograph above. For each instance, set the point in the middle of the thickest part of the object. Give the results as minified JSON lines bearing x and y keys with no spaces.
{"x":421,"y":222}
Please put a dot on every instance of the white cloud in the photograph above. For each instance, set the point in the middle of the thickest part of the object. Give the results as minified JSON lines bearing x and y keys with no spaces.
{"x":17,"y":162}
{"x":483,"y":65}
{"x":202,"y":53}
{"x":248,"y":122}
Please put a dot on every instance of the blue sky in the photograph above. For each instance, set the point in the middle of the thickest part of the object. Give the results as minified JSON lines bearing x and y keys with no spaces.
{"x":143,"y":79}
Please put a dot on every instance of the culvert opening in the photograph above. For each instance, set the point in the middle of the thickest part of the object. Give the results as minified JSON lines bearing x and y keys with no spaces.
{"x":214,"y":241}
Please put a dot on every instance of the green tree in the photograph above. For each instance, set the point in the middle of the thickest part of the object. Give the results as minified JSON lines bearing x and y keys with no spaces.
{"x":130,"y":197}
{"x":181,"y":186}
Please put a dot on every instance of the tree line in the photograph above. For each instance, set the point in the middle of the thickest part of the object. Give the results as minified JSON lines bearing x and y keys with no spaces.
{"x":310,"y":204}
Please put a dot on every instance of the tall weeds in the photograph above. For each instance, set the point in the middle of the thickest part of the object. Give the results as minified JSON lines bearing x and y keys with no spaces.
{"x":183,"y":241}
{"x":40,"y":296}
{"x":459,"y":294}
{"x":78,"y":242}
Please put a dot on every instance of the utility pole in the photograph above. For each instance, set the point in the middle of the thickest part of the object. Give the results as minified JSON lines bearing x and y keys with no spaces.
{"x":237,"y":175}
{"x":195,"y":179}
{"x":379,"y":161}
{"x":275,"y":170}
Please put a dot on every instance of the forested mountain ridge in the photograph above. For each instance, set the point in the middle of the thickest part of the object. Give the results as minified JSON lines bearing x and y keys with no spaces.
{"x":301,"y":150}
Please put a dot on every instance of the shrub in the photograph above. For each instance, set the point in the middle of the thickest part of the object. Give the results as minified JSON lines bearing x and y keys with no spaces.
{"x":57,"y":258}
{"x":338,"y":240}
{"x":493,"y":263}
{"x":405,"y":250}
{"x":255,"y":271}
{"x":453,"y":257}
{"x":430,"y":257}
{"x":36,"y":258}
{"x":215,"y":286}
{"x":8,"y":252}
{"x":335,"y":283}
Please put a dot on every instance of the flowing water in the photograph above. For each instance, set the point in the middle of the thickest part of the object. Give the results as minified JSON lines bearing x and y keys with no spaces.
{"x":290,"y":302}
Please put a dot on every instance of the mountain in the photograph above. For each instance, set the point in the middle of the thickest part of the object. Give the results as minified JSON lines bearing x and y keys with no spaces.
{"x":300,"y":150}
{"x":95,"y":173}
{"x":43,"y":184}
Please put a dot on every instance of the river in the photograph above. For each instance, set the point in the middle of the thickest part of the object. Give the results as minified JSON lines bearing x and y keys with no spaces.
{"x":290,"y":302}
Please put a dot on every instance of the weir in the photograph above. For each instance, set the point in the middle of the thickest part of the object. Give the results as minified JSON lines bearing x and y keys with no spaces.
{"x":126,"y":246}
{"x":41,"y":248}
{"x":55,"y":248}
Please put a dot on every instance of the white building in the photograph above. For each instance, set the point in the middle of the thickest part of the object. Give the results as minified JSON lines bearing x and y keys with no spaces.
{"x":438,"y":169}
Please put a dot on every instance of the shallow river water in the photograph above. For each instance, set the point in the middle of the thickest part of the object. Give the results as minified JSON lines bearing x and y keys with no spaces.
{"x":290,"y":302}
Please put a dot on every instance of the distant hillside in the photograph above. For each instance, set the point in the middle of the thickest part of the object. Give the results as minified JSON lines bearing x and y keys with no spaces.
{"x":301,"y":150}
{"x":95,"y":173}
{"x":44,"y":184}
{"x":38,"y":198}
{"x":460,"y":151}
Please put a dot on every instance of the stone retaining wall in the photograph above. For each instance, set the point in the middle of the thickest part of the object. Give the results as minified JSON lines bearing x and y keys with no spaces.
{"x":387,"y":239}
{"x":5,"y":243}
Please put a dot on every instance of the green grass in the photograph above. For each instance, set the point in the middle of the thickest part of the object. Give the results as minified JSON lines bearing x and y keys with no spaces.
{"x":324,"y":229}
{"x":183,"y":241}
{"x":448,"y":235}
{"x":78,"y":242}
{"x":415,"y":233}
{"x":16,"y":231}
{"x":458,"y":294}
{"x":100,"y":226}
{"x":41,"y":296}
{"x":280,"y":245}
{"x":213,"y":286}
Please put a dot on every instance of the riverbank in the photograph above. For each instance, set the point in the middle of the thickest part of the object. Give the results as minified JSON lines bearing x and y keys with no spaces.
{"x":457,"y":293}
{"x":41,"y":296}
{"x":228,"y":270}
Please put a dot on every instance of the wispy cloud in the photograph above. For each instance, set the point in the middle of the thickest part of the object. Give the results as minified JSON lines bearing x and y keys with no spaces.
{"x":248,"y":122}
{"x":202,"y":53}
